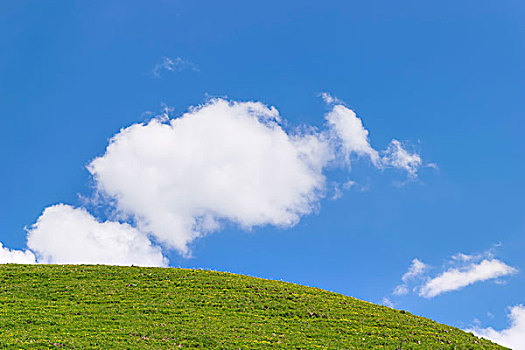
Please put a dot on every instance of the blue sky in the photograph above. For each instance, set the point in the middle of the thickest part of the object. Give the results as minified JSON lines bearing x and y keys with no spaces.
{"x":445,"y":78}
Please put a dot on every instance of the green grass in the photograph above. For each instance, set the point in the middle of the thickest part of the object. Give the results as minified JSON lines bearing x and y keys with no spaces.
{"x":107,"y":307}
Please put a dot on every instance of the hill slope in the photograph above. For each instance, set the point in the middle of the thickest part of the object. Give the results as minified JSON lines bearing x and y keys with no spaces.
{"x":107,"y":307}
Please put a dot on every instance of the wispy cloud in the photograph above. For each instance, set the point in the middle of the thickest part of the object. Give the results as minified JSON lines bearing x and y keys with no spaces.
{"x":458,"y":278}
{"x":387,"y":302}
{"x":339,"y":188}
{"x":462,"y":270}
{"x":329,"y":99}
{"x":512,"y":337}
{"x":397,"y":156}
{"x":416,"y":269}
{"x":176,"y":64}
{"x":354,"y":140}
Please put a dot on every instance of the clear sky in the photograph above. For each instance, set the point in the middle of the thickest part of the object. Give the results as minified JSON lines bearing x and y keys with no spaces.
{"x":444,"y":78}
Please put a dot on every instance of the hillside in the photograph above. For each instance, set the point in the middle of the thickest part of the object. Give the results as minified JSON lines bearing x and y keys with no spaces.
{"x":107,"y":307}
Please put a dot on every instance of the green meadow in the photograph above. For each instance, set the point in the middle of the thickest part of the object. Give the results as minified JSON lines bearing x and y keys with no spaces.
{"x":109,"y":307}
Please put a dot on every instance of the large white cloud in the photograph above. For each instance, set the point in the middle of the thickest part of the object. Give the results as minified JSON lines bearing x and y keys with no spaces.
{"x":13,"y":256}
{"x":67,"y":235}
{"x":512,"y":337}
{"x":224,"y":160}
{"x":454,"y":279}
{"x":179,"y":179}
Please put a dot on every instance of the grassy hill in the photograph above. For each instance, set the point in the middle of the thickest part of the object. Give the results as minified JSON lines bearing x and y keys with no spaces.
{"x":107,"y":307}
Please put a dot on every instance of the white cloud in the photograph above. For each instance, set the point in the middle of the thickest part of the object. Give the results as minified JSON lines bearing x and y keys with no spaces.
{"x":349,"y":129}
{"x":67,"y":235}
{"x":349,"y":184}
{"x":221,"y":161}
{"x":462,"y":270}
{"x":398,"y":157}
{"x":339,"y":188}
{"x":455,"y":278}
{"x":512,"y":337}
{"x":178,"y":179}
{"x":352,"y":137}
{"x":388,"y":302}
{"x":401,"y":289}
{"x":337,"y":192}
{"x":176,"y":64}
{"x":464,"y":257}
{"x":12,"y":256}
{"x":416,"y":269}
{"x":329,"y":99}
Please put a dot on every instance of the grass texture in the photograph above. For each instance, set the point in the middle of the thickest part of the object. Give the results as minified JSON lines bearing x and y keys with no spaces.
{"x":109,"y":307}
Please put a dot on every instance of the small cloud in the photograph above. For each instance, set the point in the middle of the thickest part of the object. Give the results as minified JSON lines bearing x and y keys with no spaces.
{"x":463,"y":270}
{"x":512,"y":337}
{"x":338,"y":188}
{"x":329,"y":99}
{"x":416,"y":269}
{"x":400,"y":290}
{"x":176,"y":64}
{"x":397,"y":156}
{"x":348,"y":131}
{"x":337,"y":192}
{"x":387,"y":302}
{"x":13,"y":256}
{"x":462,"y":257}
{"x":349,"y":184}
{"x":67,"y":235}
{"x":166,"y":113}
{"x":458,"y":278}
